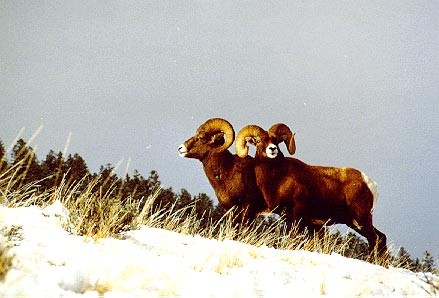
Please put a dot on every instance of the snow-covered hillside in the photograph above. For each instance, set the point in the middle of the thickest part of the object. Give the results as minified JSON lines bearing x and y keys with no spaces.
{"x":49,"y":262}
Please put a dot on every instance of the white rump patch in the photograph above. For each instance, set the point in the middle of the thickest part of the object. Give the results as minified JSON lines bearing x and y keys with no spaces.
{"x":373,"y":187}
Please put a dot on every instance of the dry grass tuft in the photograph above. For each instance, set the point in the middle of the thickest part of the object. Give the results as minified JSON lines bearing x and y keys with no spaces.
{"x":6,"y":260}
{"x":98,"y":214}
{"x":6,"y":257}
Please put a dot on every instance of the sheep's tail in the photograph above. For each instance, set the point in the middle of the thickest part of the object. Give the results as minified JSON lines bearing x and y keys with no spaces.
{"x":373,"y":187}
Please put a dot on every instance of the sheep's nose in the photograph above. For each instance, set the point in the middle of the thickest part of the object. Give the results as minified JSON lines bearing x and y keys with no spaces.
{"x":271,"y":151}
{"x":182,"y":150}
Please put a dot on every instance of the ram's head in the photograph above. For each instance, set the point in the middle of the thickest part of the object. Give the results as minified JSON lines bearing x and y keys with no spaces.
{"x":266,"y":142}
{"x":213,"y":136}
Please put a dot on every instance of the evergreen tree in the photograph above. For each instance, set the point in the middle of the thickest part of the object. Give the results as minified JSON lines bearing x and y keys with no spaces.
{"x":2,"y":149}
{"x":203,"y":203}
{"x":51,"y":163}
{"x":108,"y":176}
{"x":3,"y":163}
{"x":137,"y":187}
{"x":218,"y":212}
{"x":165,"y":199}
{"x":184,"y":199}
{"x":29,"y":168}
{"x":204,"y":208}
{"x":52,"y":168}
{"x":427,"y":263}
{"x":153,"y":181}
{"x":76,"y":168}
{"x":356,"y":246}
{"x":417,"y":267}
{"x":404,"y":259}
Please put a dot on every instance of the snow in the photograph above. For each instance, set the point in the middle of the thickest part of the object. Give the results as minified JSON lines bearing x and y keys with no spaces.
{"x":50,"y":262}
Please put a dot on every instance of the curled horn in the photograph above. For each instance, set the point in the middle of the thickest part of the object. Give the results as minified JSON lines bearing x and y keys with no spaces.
{"x":216,"y":125}
{"x":246,"y":132}
{"x":283,"y":133}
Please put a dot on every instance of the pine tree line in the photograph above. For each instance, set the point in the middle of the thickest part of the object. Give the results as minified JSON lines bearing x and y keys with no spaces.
{"x":56,"y":169}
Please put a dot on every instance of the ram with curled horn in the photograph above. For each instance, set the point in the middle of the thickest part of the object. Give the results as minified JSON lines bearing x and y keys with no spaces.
{"x":310,"y":195}
{"x":231,"y":177}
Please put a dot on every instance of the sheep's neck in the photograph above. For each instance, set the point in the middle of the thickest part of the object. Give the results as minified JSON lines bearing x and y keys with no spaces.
{"x":217,"y":167}
{"x":216,"y":164}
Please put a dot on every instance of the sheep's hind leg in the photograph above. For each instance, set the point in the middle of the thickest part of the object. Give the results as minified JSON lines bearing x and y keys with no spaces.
{"x":381,"y":242}
{"x":375,"y":239}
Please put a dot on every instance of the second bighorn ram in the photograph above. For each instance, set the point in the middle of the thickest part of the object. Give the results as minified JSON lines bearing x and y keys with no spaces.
{"x":310,"y":195}
{"x":232,"y":178}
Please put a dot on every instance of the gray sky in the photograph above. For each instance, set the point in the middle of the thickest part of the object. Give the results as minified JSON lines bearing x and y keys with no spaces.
{"x":358,"y":81}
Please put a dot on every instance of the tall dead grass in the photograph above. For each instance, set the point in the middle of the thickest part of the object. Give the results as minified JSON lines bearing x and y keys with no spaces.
{"x":97,"y":214}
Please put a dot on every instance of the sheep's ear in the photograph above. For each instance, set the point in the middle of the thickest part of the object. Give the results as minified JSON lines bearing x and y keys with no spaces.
{"x":289,"y":141}
{"x":217,"y":138}
{"x":291,"y":144}
{"x":251,"y":140}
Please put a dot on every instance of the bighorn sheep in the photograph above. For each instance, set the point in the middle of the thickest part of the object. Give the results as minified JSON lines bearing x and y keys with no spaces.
{"x":310,"y":195}
{"x":232,"y":178}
